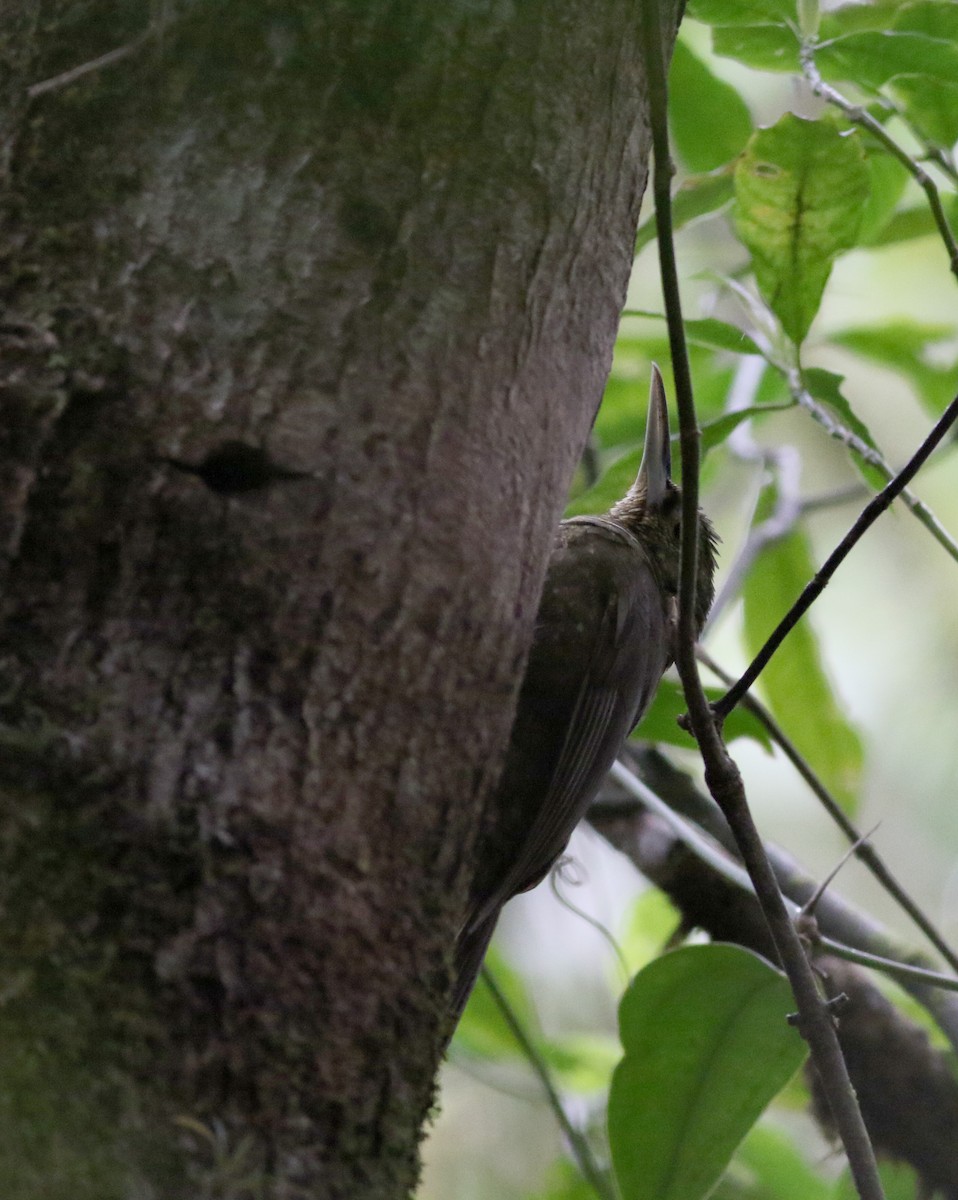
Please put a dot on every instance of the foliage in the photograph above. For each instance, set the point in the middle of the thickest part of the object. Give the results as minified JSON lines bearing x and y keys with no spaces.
{"x":795,"y":681}
{"x":787,"y":200}
{"x":706,"y":1046}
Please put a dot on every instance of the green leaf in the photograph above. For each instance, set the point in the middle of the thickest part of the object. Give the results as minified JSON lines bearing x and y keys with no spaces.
{"x":930,"y":17}
{"x":651,"y":921}
{"x":620,"y":417}
{"x":912,"y":46}
{"x":715,"y":432}
{"x":873,"y":57}
{"x":898,"y":1180}
{"x":904,"y":226}
{"x":564,"y":1182}
{"x":719,"y":335}
{"x":698,"y":196}
{"x":931,"y":105}
{"x":710,"y":121}
{"x":581,"y":1062}
{"x":708,"y":332}
{"x":612,"y":486}
{"x":482,"y":1031}
{"x":794,"y":682}
{"x":809,"y":17}
{"x":764,"y":47}
{"x":741,"y":12}
{"x":887,"y":179}
{"x":660,"y":723}
{"x":903,"y":346}
{"x":853,"y":18}
{"x":711,"y":388}
{"x":773,"y":1161}
{"x":826,"y":387}
{"x":800,"y":189}
{"x":619,"y":426}
{"x":707,"y":1046}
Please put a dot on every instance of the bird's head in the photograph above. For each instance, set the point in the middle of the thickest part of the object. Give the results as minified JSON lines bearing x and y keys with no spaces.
{"x":652,"y":509}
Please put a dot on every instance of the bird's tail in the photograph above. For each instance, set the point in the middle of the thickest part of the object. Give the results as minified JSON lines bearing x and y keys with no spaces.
{"x":470,"y":952}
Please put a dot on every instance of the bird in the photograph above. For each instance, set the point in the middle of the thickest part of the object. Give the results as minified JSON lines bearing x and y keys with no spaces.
{"x":603,"y":639}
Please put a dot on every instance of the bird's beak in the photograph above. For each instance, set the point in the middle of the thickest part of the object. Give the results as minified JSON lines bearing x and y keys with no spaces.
{"x":656,"y":467}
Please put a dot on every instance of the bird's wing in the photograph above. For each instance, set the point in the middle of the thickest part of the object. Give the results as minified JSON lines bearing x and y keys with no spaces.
{"x":613,"y":694}
{"x":571,"y":786}
{"x":470,"y":952}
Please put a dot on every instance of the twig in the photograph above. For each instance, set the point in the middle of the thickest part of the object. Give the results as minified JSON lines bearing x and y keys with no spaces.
{"x":721,"y":773}
{"x":698,"y":841}
{"x":858,"y":116}
{"x":786,"y":464}
{"x":814,"y":588}
{"x":717,"y":861}
{"x":905,"y":1085}
{"x":865,"y":452}
{"x":863,"y":848}
{"x":833,"y":499}
{"x":65,"y":78}
{"x":850,"y":933}
{"x":938,"y":156}
{"x":808,"y":908}
{"x":888,"y":966}
{"x":555,"y":877}
{"x":578,"y":1144}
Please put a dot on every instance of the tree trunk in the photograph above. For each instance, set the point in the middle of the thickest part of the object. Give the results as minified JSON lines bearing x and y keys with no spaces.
{"x":250,"y":724}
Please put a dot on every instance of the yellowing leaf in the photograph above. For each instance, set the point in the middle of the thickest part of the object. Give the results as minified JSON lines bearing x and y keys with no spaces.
{"x":800,"y":191}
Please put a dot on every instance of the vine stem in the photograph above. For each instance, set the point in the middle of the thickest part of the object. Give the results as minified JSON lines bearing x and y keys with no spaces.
{"x":721,"y":774}
{"x":862,"y":847}
{"x":696,"y":823}
{"x":817,"y":584}
{"x":717,"y":858}
{"x":835,"y":429}
{"x":65,"y":78}
{"x":578,"y":1143}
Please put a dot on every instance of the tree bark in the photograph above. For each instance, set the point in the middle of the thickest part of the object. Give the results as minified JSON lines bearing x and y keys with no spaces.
{"x":251,"y":725}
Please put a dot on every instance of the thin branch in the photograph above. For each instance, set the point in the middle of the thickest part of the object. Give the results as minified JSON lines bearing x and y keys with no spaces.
{"x":863,"y":849}
{"x":555,"y":877}
{"x":889,"y":966}
{"x":715,"y":856}
{"x":834,"y":499}
{"x":905,"y":1084}
{"x":784,"y":462}
{"x":859,"y":116}
{"x":65,"y":78}
{"x":808,"y":908}
{"x":578,"y":1143}
{"x":868,"y":454}
{"x":862,"y":933}
{"x":938,"y":156}
{"x":159,"y":21}
{"x":721,"y":773}
{"x":814,"y":588}
{"x":849,"y":933}
{"x":717,"y":861}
